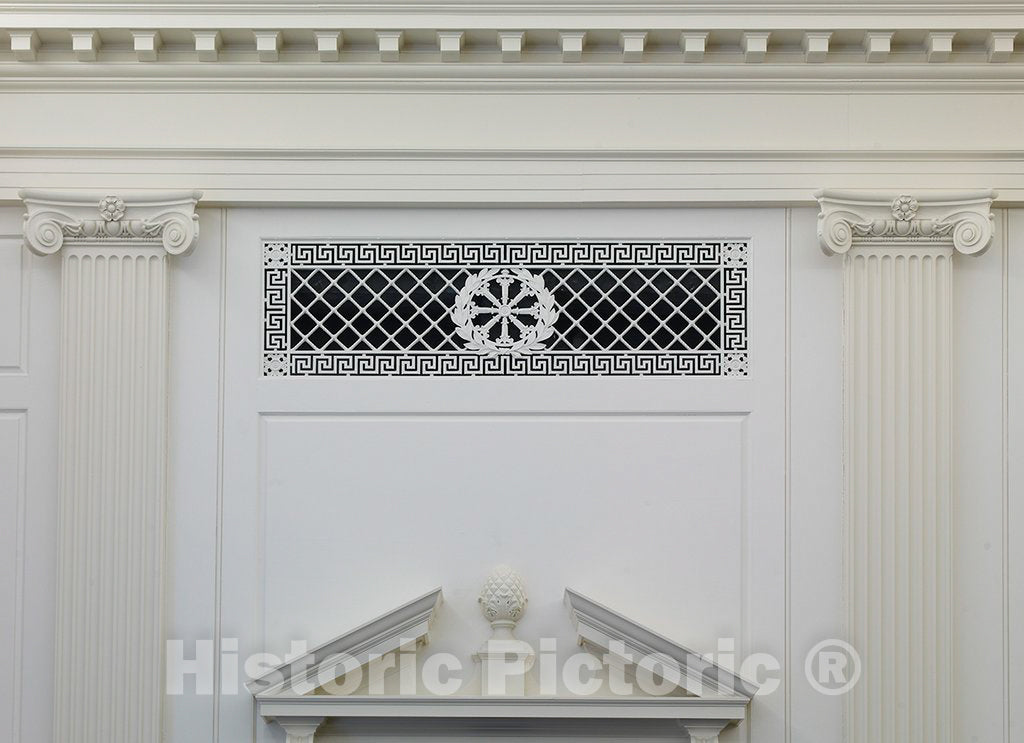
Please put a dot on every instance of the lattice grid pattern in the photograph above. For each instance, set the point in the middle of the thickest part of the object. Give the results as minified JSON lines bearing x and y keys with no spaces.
{"x":619,"y":308}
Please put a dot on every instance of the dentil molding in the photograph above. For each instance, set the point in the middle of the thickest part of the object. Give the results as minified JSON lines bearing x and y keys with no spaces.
{"x":848,"y":218}
{"x":167,"y":219}
{"x":522,"y":43}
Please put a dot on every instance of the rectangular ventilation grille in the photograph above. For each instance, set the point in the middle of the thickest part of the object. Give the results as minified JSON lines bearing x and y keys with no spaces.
{"x":620,"y":308}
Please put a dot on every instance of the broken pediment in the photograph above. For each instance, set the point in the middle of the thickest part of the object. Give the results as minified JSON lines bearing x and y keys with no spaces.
{"x":385,"y":670}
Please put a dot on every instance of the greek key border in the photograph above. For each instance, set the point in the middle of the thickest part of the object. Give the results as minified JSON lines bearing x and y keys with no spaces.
{"x":732,"y":256}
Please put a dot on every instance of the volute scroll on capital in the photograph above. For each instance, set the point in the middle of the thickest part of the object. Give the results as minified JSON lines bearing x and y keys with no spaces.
{"x":963,"y":221}
{"x":168,"y":219}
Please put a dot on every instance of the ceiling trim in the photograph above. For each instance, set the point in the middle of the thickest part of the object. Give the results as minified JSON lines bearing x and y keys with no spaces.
{"x":526,"y":45}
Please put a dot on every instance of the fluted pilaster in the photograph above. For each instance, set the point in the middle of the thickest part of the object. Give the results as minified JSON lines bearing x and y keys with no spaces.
{"x":898,"y":304}
{"x":112,"y":493}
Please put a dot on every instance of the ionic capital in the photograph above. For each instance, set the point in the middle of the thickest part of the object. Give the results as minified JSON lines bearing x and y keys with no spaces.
{"x":962,"y":221}
{"x":168,"y":219}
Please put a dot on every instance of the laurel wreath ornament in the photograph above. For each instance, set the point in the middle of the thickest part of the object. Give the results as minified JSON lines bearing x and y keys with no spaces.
{"x":503,"y":309}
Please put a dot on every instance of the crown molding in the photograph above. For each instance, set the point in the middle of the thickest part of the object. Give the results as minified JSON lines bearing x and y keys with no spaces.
{"x":961,"y":220}
{"x":642,"y":44}
{"x":51,"y":219}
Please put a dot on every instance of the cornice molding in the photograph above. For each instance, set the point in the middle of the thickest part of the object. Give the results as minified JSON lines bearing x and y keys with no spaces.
{"x":589,"y":7}
{"x":52,"y":219}
{"x":530,"y":44}
{"x":963,"y":221}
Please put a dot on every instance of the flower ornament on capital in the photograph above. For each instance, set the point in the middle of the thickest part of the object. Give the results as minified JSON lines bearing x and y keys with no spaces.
{"x":904,"y":208}
{"x":112,"y":209}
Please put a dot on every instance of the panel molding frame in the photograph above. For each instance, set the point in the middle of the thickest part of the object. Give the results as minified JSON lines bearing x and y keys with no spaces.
{"x":21,"y":417}
{"x":25,"y":286}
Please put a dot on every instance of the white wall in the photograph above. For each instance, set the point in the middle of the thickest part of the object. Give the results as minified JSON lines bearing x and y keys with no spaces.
{"x":28,"y":483}
{"x":235,"y":438}
{"x":668,"y":499}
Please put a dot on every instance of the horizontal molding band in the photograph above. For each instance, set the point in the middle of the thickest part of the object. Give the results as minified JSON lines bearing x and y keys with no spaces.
{"x":738,"y":155}
{"x":241,"y":177}
{"x":472,"y":79}
{"x":753,"y":10}
{"x":439,"y":41}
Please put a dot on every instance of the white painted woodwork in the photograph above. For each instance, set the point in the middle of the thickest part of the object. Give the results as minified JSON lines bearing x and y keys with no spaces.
{"x":693,"y":45}
{"x":988,"y":601}
{"x":301,"y":730}
{"x":632,"y":43}
{"x":898,"y":255}
{"x":13,"y":306}
{"x":877,"y":45}
{"x":207,"y":43}
{"x":28,"y":484}
{"x":13,"y":484}
{"x":755,"y":45}
{"x":981,"y":579}
{"x":389,"y":45}
{"x":511,"y":44}
{"x":814,"y":503}
{"x":24,"y":44}
{"x":85,"y":45}
{"x":690,"y":446}
{"x":112,"y":454}
{"x":987,"y":34}
{"x":268,"y":45}
{"x":703,"y":733}
{"x":450,"y":45}
{"x":714,"y":696}
{"x":1000,"y":45}
{"x":407,"y":624}
{"x":604,"y":629}
{"x":940,"y":112}
{"x":327,"y":45}
{"x":940,"y":45}
{"x":572,"y":45}
{"x":445,"y":175}
{"x":147,"y":44}
{"x":194,"y":390}
{"x":1010,"y":438}
{"x":815,"y":45}
{"x":503,"y":600}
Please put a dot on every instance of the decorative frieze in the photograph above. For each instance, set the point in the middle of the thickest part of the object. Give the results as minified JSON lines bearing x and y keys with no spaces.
{"x":898,"y":258}
{"x":647,"y":38}
{"x":112,"y":457}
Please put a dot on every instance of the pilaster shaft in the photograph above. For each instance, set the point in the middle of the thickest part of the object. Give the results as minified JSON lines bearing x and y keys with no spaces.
{"x":112,"y":494}
{"x":898,"y":306}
